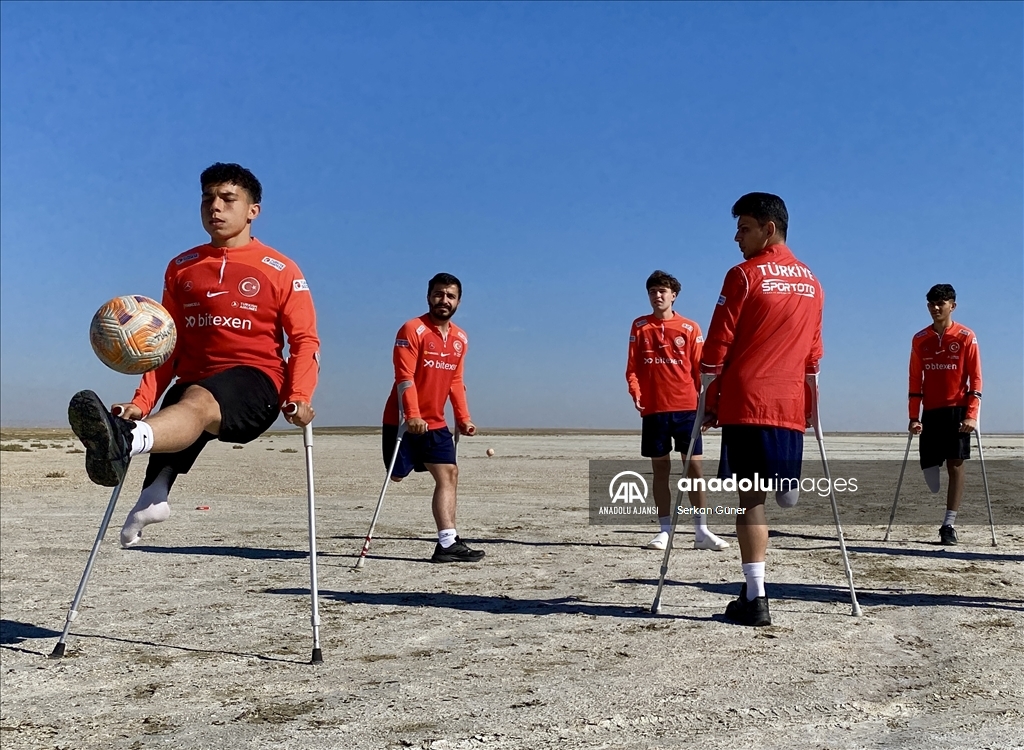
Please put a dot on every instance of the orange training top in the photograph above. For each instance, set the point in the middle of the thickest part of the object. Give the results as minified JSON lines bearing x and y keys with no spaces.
{"x":433,"y":363}
{"x":945,"y":370}
{"x":663,"y":366}
{"x":765,"y":336}
{"x":234,"y":306}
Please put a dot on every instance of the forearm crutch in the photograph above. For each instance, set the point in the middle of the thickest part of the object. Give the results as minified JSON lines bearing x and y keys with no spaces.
{"x":899,"y":483}
{"x":58,"y":650}
{"x":307,"y":444}
{"x":402,"y":388}
{"x":812,"y":381}
{"x":984,"y":479}
{"x":705,"y":381}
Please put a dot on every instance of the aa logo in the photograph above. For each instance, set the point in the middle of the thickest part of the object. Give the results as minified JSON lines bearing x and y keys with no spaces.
{"x":627,"y":486}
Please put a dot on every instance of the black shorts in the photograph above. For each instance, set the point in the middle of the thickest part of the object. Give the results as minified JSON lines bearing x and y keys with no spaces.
{"x":432,"y":447}
{"x":775,"y":452}
{"x":659,"y":430}
{"x":941,"y":438}
{"x":248,"y":403}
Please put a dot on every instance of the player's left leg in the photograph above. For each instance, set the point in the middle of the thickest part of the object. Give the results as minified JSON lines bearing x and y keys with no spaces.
{"x":439,"y":459}
{"x":957,"y":447}
{"x":954,"y":494}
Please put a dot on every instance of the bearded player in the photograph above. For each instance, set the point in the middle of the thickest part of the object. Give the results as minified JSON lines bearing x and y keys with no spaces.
{"x":235,"y":301}
{"x":430,"y":352}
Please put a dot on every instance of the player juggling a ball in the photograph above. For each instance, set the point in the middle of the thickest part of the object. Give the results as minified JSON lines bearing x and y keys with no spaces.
{"x":235,"y":301}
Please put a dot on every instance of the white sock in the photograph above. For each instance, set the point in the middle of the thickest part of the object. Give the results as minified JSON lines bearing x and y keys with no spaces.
{"x":700,"y":526}
{"x":142,"y":438}
{"x":152,"y":507}
{"x":950,"y":518}
{"x":446,"y":537}
{"x":931,"y":478}
{"x":666,"y":524}
{"x":754,"y":573}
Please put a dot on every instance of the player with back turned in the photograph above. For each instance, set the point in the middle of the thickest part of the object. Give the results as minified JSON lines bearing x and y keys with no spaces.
{"x":764,"y":338}
{"x":234,"y":301}
{"x":945,"y":379}
{"x":663,"y":373}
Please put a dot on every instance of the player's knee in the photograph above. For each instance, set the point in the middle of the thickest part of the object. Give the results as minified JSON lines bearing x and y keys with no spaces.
{"x":788,"y":499}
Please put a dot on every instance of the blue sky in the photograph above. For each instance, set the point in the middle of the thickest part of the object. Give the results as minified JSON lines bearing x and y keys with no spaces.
{"x":550,"y":155}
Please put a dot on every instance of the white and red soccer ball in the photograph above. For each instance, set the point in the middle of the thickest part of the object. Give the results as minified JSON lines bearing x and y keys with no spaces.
{"x":133,"y":334}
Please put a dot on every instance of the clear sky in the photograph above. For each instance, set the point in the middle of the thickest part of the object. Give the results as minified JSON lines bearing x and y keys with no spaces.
{"x":550,"y":155}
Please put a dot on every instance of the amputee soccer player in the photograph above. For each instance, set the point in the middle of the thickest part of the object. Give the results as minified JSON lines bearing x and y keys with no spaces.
{"x":663,"y":373}
{"x":233,"y":300}
{"x":765,"y":336}
{"x":430,"y":352}
{"x":945,"y":377}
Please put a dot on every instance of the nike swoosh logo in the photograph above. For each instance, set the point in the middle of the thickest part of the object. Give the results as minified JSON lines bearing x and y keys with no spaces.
{"x":215,"y":294}
{"x":446,"y":354}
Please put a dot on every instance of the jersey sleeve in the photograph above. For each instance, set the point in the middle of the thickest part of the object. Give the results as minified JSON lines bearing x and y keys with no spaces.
{"x":457,"y":393}
{"x":696,"y":350}
{"x":722,"y":331}
{"x":155,"y":382}
{"x":972,"y":365}
{"x":407,"y":347}
{"x":298,"y":320}
{"x":817,"y":347}
{"x":632,"y":381}
{"x":915,"y":391}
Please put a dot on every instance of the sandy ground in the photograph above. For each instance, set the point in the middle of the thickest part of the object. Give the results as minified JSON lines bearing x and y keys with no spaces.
{"x":201,"y":638}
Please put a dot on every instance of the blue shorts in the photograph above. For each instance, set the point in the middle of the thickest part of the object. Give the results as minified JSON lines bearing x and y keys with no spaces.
{"x":659,"y":429}
{"x":771,"y":452}
{"x":432,"y":447}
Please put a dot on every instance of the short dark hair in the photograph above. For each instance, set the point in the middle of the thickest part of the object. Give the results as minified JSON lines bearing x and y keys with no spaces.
{"x":234,"y":174}
{"x":941,"y":293}
{"x":660,"y":278}
{"x":444,"y":279}
{"x":763,"y":207}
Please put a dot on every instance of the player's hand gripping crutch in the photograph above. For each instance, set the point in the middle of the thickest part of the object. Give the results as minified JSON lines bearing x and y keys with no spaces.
{"x":812,"y":381}
{"x":307,"y":444}
{"x":402,"y":388}
{"x":984,"y":479}
{"x":58,"y":650}
{"x":899,"y":484}
{"x":705,"y":381}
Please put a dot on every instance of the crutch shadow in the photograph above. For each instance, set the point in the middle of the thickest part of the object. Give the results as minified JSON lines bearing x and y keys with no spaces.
{"x":190,"y":649}
{"x":940,"y":550}
{"x":496,"y":605}
{"x":833,"y":594}
{"x":480,"y":541}
{"x":14,"y":633}
{"x":246,"y":553}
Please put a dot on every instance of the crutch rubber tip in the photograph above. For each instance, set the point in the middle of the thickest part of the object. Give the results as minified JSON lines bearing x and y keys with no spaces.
{"x":856,"y":611}
{"x":359,"y":563}
{"x":58,"y":651}
{"x":318,"y":658}
{"x":655,"y":609}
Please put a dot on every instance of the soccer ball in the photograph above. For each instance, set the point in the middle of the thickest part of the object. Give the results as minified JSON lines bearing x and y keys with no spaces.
{"x":133,"y":334}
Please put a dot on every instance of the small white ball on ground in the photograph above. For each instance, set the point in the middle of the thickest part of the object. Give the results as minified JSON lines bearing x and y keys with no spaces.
{"x":490,"y":451}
